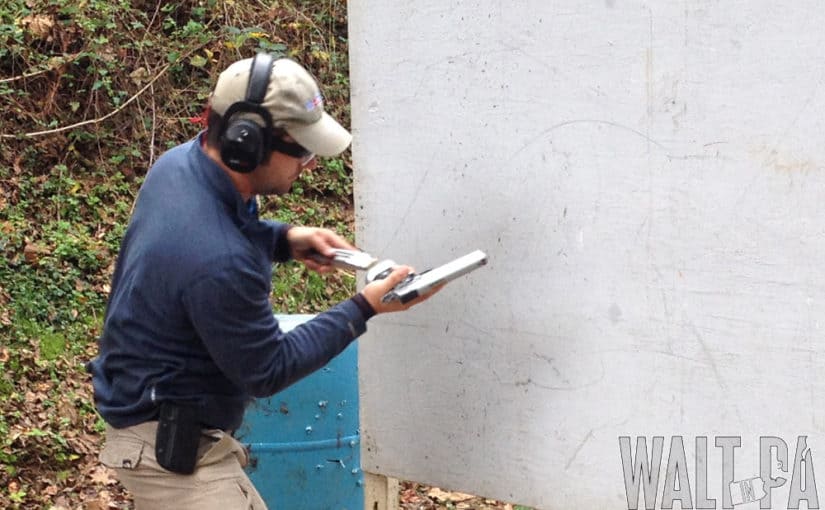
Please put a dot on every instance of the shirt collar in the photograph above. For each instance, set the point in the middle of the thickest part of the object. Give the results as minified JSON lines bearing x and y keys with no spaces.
{"x":222,"y":186}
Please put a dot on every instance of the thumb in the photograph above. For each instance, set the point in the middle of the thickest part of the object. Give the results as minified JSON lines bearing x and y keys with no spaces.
{"x":375,"y":290}
{"x":397,"y":276}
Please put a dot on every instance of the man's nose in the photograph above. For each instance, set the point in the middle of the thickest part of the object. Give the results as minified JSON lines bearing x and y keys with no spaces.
{"x":312,"y":164}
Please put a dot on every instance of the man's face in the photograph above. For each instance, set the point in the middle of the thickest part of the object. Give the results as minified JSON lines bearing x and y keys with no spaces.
{"x":276,"y":175}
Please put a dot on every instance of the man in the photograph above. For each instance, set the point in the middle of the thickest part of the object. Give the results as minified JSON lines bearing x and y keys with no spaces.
{"x":189,"y":336}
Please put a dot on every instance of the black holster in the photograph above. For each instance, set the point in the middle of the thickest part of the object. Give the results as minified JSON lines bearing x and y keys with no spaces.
{"x":178,"y":437}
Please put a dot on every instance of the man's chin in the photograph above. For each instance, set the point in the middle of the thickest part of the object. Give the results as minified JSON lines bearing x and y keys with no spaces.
{"x":276,"y":190}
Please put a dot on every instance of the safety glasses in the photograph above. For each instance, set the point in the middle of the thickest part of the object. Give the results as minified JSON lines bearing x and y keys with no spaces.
{"x":292,"y":149}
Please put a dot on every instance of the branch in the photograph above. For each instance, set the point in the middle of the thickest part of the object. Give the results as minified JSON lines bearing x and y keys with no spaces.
{"x":42,"y":71}
{"x":23,"y":76}
{"x":97,"y":120}
{"x":154,"y":122}
{"x":116,"y":110}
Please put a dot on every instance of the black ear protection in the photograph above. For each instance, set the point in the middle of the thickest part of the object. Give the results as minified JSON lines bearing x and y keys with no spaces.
{"x":244,"y":143}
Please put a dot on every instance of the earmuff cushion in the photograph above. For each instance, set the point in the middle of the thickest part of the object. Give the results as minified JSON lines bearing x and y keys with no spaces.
{"x":244,"y":143}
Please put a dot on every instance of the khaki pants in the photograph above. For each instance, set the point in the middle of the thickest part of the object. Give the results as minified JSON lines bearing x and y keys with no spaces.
{"x":218,"y":483}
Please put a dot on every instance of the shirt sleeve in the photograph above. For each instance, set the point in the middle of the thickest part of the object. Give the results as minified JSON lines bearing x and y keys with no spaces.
{"x":231,"y":313}
{"x":280,"y":244}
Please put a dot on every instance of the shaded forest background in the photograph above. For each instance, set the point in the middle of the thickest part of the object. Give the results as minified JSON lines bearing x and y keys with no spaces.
{"x":91,"y":93}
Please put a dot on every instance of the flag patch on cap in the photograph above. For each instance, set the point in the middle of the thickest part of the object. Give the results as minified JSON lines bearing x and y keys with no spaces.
{"x":314,"y":103}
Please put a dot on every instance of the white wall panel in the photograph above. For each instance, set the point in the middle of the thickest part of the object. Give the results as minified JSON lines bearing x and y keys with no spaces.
{"x":648,"y":181}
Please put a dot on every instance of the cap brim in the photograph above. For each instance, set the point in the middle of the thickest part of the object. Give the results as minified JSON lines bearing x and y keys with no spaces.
{"x":324,"y":138}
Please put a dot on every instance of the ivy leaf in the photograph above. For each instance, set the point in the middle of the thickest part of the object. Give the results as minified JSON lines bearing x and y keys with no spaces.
{"x":198,"y":61}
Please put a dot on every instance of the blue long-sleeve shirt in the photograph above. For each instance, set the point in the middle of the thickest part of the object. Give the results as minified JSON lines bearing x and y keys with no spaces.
{"x":189,"y":316}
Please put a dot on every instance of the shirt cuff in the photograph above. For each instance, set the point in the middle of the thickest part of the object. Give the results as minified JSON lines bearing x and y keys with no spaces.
{"x":366,"y":308}
{"x":281,"y":251}
{"x":355,"y":320}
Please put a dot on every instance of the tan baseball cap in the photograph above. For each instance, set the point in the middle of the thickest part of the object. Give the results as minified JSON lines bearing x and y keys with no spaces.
{"x":294,"y":101}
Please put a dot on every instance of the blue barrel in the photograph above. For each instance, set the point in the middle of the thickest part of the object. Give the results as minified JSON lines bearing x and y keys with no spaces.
{"x":304,"y":442}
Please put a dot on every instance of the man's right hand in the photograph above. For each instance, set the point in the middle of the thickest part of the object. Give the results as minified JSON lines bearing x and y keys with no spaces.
{"x":375,"y":290}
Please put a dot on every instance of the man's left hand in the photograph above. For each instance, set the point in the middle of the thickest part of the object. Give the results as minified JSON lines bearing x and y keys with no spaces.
{"x":306,"y":241}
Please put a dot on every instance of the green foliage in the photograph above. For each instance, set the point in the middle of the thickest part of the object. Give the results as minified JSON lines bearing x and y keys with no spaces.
{"x":297,"y":290}
{"x":114,"y":83}
{"x":334,"y":180}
